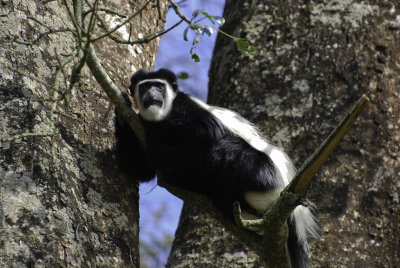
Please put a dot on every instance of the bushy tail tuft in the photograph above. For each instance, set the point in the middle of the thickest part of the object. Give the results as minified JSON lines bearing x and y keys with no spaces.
{"x":302,"y":225}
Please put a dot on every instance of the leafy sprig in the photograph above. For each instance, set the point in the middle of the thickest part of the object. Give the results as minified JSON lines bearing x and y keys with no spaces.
{"x":200,"y":29}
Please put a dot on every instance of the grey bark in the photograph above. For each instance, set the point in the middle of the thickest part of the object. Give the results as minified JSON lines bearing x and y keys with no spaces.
{"x":314,"y":60}
{"x":80,"y":211}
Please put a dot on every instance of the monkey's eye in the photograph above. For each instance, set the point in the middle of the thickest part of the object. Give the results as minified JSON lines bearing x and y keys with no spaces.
{"x":160,"y":86}
{"x":144,"y":87}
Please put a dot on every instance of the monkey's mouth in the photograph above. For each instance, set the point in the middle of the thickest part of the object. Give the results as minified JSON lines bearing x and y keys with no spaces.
{"x":148,"y":103}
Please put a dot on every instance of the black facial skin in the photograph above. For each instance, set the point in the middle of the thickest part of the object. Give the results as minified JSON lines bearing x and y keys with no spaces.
{"x":152,"y":93}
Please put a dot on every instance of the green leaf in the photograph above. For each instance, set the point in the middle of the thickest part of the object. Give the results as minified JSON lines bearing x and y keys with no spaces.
{"x":219,"y":20}
{"x":209,"y":30}
{"x":244,"y":46}
{"x":208,"y":17}
{"x":197,"y":12}
{"x":197,"y":27}
{"x":183,"y":75}
{"x":195,"y":57}
{"x":185,"y":34}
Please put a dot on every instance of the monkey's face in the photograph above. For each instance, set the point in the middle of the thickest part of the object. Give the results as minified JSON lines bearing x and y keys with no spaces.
{"x":152,"y":95}
{"x":154,"y":99}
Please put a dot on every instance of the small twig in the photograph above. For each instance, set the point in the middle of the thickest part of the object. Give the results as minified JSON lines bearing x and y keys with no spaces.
{"x":146,"y":39}
{"x":121,"y":24}
{"x":179,"y":12}
{"x":76,"y":72}
{"x":105,"y":10}
{"x":46,"y":100}
{"x":159,"y":11}
{"x":78,"y":29}
{"x":29,"y":76}
{"x":26,"y":134}
{"x":59,"y":61}
{"x":9,"y":39}
{"x":92,"y":20}
{"x":40,"y":23}
{"x":66,"y":115}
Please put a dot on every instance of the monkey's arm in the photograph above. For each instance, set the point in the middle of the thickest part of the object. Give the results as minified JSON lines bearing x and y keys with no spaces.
{"x":130,"y":153}
{"x":242,"y":167}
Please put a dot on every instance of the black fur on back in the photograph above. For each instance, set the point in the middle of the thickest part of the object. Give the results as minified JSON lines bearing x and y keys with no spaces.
{"x":194,"y":151}
{"x":142,"y":74}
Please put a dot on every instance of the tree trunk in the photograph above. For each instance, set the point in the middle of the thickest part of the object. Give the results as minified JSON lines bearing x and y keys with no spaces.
{"x":313,"y":61}
{"x":64,"y":202}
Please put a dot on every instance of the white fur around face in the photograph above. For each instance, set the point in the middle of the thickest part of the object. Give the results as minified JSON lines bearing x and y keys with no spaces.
{"x":154,"y":112}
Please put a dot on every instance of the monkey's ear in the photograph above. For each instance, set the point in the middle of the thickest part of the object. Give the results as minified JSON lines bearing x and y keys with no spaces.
{"x":139,"y":75}
{"x":169,"y":76}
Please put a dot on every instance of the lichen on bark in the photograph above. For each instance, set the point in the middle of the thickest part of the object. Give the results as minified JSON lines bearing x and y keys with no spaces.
{"x":64,"y":203}
{"x":313,"y":60}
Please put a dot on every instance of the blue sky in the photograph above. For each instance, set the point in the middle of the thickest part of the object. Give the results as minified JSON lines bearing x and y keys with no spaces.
{"x":174,"y":54}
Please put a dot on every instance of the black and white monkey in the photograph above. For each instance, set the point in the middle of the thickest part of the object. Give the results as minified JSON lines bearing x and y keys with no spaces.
{"x":209,"y":150}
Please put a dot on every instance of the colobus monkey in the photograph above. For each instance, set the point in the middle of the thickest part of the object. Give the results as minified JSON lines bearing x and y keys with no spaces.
{"x":209,"y":150}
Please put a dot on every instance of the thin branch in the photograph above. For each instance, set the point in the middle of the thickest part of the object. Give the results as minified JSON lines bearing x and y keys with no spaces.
{"x":105,"y":10}
{"x":29,"y":76}
{"x":95,"y":10}
{"x":179,"y":12}
{"x":92,"y":20}
{"x":160,"y":17}
{"x":40,"y":23}
{"x":146,"y":39}
{"x":9,"y":39}
{"x":26,"y":134}
{"x":121,"y":24}
{"x":76,"y":71}
{"x":66,"y":115}
{"x":59,"y":61}
{"x":113,"y":92}
{"x":78,"y":29}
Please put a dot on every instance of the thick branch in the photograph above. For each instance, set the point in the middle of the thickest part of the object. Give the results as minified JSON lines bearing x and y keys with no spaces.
{"x":304,"y":176}
{"x":272,"y":247}
{"x":204,"y":203}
